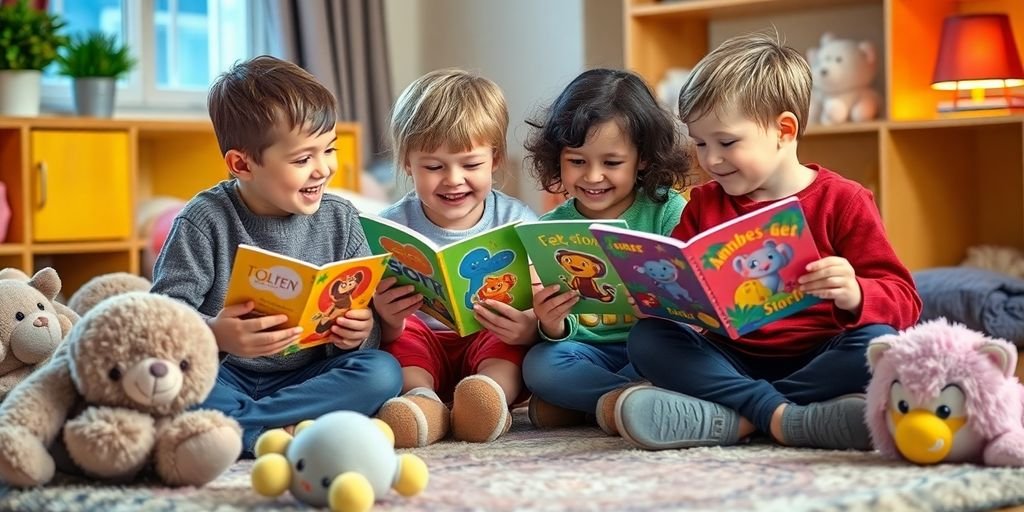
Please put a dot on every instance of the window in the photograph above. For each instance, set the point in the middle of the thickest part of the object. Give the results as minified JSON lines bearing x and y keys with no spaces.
{"x":180,"y":45}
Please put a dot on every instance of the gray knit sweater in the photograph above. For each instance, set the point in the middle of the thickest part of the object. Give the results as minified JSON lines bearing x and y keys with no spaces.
{"x":195,"y":263}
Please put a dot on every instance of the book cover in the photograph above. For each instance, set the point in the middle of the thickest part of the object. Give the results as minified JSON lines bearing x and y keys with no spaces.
{"x":566,"y":253}
{"x":731,"y":279}
{"x":452,"y":278}
{"x":311,"y":296}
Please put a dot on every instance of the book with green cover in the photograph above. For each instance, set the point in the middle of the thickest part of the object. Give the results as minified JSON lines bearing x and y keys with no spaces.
{"x":453,"y":278}
{"x":566,"y":253}
{"x":731,"y":279}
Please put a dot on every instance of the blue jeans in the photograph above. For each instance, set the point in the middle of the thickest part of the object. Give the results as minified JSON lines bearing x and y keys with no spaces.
{"x":359,"y":381}
{"x":574,"y":375}
{"x":680,"y":359}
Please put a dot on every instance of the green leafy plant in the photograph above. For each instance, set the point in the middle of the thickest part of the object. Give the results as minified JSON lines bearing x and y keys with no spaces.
{"x":29,"y":38}
{"x":95,"y":54}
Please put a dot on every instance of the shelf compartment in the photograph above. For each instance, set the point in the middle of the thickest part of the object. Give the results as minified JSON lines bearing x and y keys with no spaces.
{"x":12,"y":175}
{"x":178,"y":163}
{"x":75,"y":269}
{"x":851,"y":154}
{"x":703,"y":9}
{"x":953,"y":187}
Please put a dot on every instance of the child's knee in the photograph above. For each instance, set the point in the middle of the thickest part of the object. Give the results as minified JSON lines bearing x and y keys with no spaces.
{"x":384,"y":374}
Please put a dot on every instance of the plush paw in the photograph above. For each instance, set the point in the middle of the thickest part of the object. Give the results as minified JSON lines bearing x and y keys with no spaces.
{"x":110,"y":443}
{"x":24,"y":460}
{"x":350,"y":492}
{"x":1006,"y":450}
{"x":196,"y":447}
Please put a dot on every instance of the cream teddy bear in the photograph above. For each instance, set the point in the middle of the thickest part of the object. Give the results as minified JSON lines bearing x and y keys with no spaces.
{"x":118,"y":392}
{"x":842,"y":71}
{"x":31,"y":326}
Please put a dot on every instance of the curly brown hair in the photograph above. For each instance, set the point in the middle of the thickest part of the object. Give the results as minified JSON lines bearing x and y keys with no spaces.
{"x":601,"y":95}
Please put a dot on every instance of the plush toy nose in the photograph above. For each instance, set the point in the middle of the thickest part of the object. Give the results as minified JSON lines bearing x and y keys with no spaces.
{"x":922,"y":437}
{"x":824,"y":72}
{"x":158,"y":369}
{"x":41,"y":322}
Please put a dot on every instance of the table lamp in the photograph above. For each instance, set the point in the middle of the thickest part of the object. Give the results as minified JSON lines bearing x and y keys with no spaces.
{"x":978,"y":52}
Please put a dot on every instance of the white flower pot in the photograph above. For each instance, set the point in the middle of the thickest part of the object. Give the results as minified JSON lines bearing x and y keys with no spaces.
{"x":19,"y":92}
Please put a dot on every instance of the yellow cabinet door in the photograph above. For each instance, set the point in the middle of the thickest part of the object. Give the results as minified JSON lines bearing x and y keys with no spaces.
{"x":81,"y":184}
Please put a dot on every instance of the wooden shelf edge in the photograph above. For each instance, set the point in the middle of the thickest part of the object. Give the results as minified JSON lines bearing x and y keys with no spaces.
{"x":11,"y":249}
{"x":82,"y":247}
{"x":836,"y":129}
{"x":954,"y":122}
{"x":708,"y":8}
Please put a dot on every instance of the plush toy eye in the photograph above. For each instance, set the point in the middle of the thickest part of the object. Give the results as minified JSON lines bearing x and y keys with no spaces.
{"x":300,"y":465}
{"x":943,"y":411}
{"x":41,"y":308}
{"x":184,"y":365}
{"x":326,"y":482}
{"x":903,"y":406}
{"x":19,"y":316}
{"x":115,"y":374}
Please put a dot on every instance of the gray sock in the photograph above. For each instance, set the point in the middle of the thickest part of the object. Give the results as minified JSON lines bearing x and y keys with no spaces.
{"x":659,"y":419}
{"x":836,"y":424}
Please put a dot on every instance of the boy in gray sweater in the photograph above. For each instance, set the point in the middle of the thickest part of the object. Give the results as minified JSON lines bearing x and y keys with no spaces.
{"x":276,"y":128}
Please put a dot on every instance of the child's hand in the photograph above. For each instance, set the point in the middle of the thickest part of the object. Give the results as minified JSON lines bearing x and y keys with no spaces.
{"x":395,"y":303}
{"x":636,"y":311}
{"x":249,"y":337}
{"x":551,"y":309}
{"x":510,"y":325}
{"x":833,"y":278}
{"x":352,"y":328}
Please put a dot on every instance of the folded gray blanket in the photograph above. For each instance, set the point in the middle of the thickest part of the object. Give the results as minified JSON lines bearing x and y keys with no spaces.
{"x":986,"y":301}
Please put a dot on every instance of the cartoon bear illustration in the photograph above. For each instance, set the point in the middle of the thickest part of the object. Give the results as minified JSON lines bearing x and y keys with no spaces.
{"x":585,"y":270}
{"x":664,"y":274}
{"x":341,"y":296}
{"x":765,"y":264}
{"x":497,"y":288}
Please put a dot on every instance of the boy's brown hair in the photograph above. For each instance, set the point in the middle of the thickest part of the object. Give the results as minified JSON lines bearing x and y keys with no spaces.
{"x":754,"y":73}
{"x":251,"y":102}
{"x":449,"y":107}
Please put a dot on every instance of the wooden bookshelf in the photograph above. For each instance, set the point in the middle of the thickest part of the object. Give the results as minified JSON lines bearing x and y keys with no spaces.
{"x":942,"y":183}
{"x":74,"y":186}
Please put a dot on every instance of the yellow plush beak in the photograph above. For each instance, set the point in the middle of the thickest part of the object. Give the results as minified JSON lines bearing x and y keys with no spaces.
{"x":923,"y":437}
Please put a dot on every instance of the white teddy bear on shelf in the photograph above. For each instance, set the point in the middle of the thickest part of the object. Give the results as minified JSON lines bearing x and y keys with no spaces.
{"x":843,"y":70}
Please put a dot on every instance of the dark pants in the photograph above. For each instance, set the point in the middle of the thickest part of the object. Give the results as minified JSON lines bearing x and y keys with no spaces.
{"x":677,"y":358}
{"x":353,"y":381}
{"x":574,"y":375}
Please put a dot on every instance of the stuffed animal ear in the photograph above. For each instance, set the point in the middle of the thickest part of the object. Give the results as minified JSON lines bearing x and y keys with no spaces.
{"x":47,"y":282}
{"x":13,"y":273}
{"x":827,"y":37}
{"x":1001,"y":355}
{"x":878,"y":347}
{"x":868,"y":50}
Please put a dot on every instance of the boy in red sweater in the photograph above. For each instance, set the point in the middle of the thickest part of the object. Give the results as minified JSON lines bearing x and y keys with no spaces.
{"x":799,"y":379}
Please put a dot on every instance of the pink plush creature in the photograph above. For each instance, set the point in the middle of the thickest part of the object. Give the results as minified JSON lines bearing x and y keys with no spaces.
{"x":940,"y":392}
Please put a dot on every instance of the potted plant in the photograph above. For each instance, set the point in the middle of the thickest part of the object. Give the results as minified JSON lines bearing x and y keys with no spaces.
{"x":95,"y":61}
{"x":29,"y":41}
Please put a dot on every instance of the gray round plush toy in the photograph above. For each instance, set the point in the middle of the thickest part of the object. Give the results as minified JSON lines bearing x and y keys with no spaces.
{"x":105,"y":286}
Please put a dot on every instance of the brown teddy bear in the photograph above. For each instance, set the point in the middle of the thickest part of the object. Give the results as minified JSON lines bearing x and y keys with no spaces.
{"x":119,"y":390}
{"x":105,"y":286}
{"x":31,"y":326}
{"x":13,"y":273}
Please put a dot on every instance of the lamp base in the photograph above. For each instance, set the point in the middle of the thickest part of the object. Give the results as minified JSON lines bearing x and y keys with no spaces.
{"x":1014,"y":104}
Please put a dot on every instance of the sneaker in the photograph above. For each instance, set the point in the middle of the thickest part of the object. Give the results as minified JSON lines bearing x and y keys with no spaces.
{"x":605,"y":411}
{"x":659,"y":419}
{"x":479,"y":411}
{"x":548,"y":415}
{"x":416,"y":420}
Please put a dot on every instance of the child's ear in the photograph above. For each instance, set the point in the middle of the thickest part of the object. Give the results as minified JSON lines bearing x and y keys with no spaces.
{"x":788,"y":126}
{"x":238,"y":164}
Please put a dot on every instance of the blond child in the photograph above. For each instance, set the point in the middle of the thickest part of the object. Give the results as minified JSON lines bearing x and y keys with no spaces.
{"x":448,"y":133}
{"x":616,"y":154}
{"x":276,"y":129}
{"x":800,"y":379}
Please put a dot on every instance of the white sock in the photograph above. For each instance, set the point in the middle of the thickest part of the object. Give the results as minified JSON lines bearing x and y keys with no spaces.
{"x":424,"y":392}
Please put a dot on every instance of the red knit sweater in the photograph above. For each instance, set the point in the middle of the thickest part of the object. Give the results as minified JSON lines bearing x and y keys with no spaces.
{"x":842,"y":216}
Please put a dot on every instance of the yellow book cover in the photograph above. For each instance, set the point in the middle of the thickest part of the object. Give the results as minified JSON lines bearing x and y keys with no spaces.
{"x":311,"y":296}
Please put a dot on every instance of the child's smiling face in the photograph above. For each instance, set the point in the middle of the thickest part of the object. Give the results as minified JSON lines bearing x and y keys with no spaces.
{"x":601,"y":174}
{"x":292,"y":174}
{"x":453,"y":185}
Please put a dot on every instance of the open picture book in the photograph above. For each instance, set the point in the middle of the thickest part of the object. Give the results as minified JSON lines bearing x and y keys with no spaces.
{"x":491,"y":265}
{"x":731,"y":279}
{"x":566,"y":253}
{"x":312,"y":296}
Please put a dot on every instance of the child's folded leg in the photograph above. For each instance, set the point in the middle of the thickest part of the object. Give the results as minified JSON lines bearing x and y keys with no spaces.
{"x":417,"y":418}
{"x":479,"y":410}
{"x":836,"y":424}
{"x":658,"y":419}
{"x":548,"y":415}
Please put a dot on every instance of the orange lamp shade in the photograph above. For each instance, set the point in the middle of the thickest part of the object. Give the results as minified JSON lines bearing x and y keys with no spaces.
{"x":977,"y":52}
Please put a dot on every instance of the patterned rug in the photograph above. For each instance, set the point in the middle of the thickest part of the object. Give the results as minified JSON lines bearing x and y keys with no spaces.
{"x":582,"y":469}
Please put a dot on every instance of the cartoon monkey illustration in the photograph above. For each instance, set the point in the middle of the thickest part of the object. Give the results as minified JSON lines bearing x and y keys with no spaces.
{"x":585,"y":269}
{"x":341,"y":295}
{"x":497,"y":288}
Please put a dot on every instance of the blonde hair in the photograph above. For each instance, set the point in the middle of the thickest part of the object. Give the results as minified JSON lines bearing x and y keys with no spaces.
{"x":754,"y":73}
{"x":451,"y":108}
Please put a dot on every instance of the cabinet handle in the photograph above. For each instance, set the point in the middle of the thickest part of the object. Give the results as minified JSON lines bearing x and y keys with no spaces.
{"x":43,"y":180}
